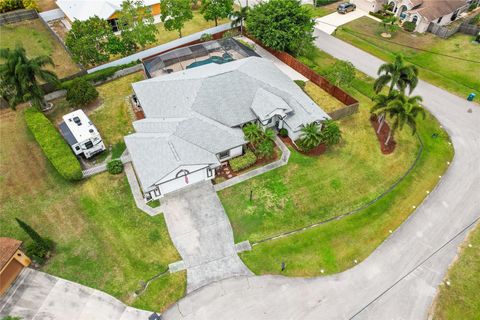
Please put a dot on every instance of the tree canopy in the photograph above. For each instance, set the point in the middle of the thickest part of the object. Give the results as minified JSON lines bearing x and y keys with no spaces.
{"x":397,"y":75}
{"x":20,"y":76}
{"x":216,"y":9}
{"x":174,"y":14}
{"x":283,"y":25}
{"x":88,"y":40}
{"x":341,"y":73}
{"x":136,"y":25}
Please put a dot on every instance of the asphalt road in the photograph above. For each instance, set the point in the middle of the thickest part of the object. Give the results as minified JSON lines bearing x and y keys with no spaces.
{"x":399,"y":280}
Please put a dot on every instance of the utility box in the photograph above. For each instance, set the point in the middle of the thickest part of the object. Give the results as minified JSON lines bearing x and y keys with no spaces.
{"x":471,"y":96}
{"x":80,"y":133}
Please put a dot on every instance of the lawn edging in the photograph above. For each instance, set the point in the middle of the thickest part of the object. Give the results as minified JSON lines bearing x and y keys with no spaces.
{"x":351,"y":212}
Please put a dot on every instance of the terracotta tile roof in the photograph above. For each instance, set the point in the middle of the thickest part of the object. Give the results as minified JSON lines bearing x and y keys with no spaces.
{"x":8,"y":247}
{"x":434,"y":9}
{"x":416,"y":3}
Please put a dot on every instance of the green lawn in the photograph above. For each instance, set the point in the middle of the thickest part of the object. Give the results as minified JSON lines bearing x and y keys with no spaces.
{"x":34,"y":36}
{"x":458,"y":76}
{"x":321,"y":11}
{"x":460,"y":299}
{"x":322,"y":97}
{"x":103,"y":240}
{"x":198,"y":23}
{"x":309,"y":190}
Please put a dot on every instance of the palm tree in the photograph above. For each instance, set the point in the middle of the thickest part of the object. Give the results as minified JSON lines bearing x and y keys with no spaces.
{"x":311,"y":136}
{"x":238,"y":17}
{"x":397,"y":74}
{"x":253,"y":132}
{"x":403,"y":110}
{"x":19,"y":77}
{"x":269,"y":134}
{"x":265,"y":149}
{"x":331,"y":133}
{"x":381,"y":101}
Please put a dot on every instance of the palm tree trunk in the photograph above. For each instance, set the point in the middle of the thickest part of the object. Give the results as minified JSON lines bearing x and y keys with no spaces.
{"x":389,"y":137}
{"x":381,"y":125}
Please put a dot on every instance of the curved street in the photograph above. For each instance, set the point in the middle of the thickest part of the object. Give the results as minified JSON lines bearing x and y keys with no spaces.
{"x":398,"y":280}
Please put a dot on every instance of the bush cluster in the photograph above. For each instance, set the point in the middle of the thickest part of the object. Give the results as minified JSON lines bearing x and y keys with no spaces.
{"x":300,"y":83}
{"x":115,"y":166}
{"x":53,"y":146}
{"x":243,"y":162}
{"x":81,"y":92}
{"x":11,"y":5}
{"x":283,"y":133}
{"x":206,"y":37}
{"x":409,"y":26}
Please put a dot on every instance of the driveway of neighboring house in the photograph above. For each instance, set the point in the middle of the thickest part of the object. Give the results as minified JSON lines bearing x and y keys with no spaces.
{"x":37,"y":295}
{"x":202,"y":234}
{"x":330,"y":22}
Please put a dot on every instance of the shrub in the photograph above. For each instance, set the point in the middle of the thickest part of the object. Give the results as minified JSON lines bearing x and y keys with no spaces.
{"x":330,"y":133}
{"x":283,"y":133}
{"x":242,"y":162}
{"x":115,"y":166}
{"x":230,"y":33}
{"x":265,"y":149}
{"x":472,"y":6}
{"x":341,"y":73}
{"x":247,"y":44}
{"x":53,"y":146}
{"x":409,"y":26}
{"x":30,"y":4}
{"x":81,"y":92}
{"x":300,"y":83}
{"x":37,"y":252}
{"x":10,"y":5}
{"x":206,"y":37}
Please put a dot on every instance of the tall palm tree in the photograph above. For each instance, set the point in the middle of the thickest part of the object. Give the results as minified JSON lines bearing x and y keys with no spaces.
{"x":403,"y":110}
{"x":238,"y":17}
{"x":381,"y":101}
{"x":397,"y":74}
{"x":20,"y":76}
{"x":311,"y":136}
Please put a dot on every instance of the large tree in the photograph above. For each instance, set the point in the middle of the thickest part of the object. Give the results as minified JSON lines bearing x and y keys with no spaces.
{"x":174,"y":14}
{"x":216,"y":9}
{"x":20,"y":77}
{"x":397,"y":75}
{"x":283,"y":25}
{"x":136,"y":25}
{"x":403,"y":110}
{"x":88,"y":40}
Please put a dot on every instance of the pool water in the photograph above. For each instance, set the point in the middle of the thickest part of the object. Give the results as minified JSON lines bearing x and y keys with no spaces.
{"x":218,"y":60}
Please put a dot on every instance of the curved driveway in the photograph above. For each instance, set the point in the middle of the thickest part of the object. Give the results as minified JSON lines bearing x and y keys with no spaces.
{"x":399,"y":279}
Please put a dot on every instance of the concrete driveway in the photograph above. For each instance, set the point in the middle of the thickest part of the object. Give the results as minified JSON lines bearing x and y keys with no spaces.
{"x":40,"y":296}
{"x":400,"y":278}
{"x":330,"y":22}
{"x":202,"y":234}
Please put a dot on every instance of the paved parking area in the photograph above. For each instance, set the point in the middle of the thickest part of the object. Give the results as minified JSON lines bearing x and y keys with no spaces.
{"x":37,"y":295}
{"x":202,"y":234}
{"x":330,"y":22}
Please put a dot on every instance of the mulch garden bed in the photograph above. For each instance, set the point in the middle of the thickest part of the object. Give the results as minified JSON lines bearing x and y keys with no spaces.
{"x":383,"y":135}
{"x":320,"y":149}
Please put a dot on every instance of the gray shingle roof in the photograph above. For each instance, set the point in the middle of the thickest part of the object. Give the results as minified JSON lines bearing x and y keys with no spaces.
{"x":265,"y":102}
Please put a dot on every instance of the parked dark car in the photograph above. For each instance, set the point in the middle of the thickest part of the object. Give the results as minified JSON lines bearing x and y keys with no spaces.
{"x":346,"y":7}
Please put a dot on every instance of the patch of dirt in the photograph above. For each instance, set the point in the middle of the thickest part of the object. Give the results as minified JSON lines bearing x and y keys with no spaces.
{"x":382,"y":136}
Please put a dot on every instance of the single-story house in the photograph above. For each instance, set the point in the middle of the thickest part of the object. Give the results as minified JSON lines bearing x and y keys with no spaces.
{"x":421,"y":12}
{"x":193,"y":119}
{"x":106,"y":9}
{"x":12,"y":262}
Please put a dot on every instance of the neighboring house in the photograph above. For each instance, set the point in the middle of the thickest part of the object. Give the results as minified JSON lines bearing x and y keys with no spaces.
{"x":105,"y":9}
{"x":421,"y":12}
{"x":193,"y":119}
{"x":12,"y":262}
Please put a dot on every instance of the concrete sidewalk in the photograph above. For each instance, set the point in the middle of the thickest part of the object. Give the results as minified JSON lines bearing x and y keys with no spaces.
{"x":202,"y":234}
{"x":37,"y":295}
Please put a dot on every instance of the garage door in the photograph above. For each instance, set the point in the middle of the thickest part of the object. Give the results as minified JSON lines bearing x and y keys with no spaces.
{"x":184,"y":179}
{"x":9,"y":274}
{"x":365,"y":5}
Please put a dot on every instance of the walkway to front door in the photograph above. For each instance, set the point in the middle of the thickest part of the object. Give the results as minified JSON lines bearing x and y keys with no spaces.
{"x":201,"y":231}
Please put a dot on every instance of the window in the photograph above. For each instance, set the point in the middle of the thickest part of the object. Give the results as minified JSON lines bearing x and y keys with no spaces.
{"x":113,"y":24}
{"x":77,"y":148}
{"x":88,"y":144}
{"x":156,"y":192}
{"x":224,"y":154}
{"x":209,"y":172}
{"x":439,"y":20}
{"x":415,"y":19}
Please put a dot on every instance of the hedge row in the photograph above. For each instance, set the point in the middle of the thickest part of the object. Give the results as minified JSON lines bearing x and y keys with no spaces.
{"x":11,"y":5}
{"x":242,"y":162}
{"x":101,"y":75}
{"x":53,"y":145}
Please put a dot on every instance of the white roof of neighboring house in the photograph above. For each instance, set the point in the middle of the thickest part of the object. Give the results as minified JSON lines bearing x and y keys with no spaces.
{"x":79,"y":126}
{"x":84,"y":9}
{"x":199,"y":111}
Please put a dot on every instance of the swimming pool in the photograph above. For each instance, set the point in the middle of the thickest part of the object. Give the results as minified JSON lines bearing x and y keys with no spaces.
{"x":218,"y":60}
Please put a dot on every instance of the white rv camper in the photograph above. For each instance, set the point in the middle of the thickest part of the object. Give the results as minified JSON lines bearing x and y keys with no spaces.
{"x":81,"y":134}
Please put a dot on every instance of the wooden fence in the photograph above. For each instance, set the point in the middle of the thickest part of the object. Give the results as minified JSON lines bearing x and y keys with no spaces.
{"x":320,"y":81}
{"x":446,"y":32}
{"x":17,"y":16}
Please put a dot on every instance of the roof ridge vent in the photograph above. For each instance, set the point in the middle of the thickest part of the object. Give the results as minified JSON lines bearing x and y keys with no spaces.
{"x":172,"y":148}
